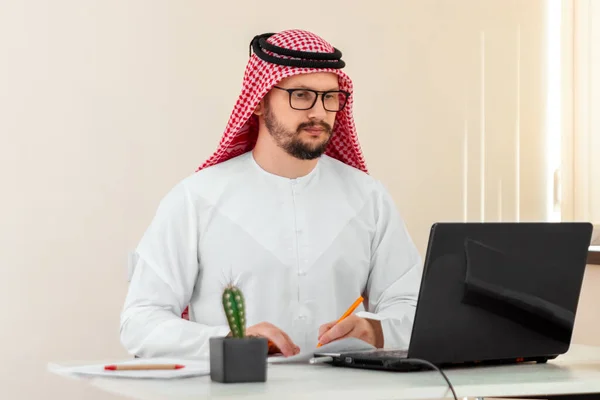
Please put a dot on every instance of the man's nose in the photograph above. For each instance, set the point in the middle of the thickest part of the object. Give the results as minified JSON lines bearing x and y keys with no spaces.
{"x":318,"y":111}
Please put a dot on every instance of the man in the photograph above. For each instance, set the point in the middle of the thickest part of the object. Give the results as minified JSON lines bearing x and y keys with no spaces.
{"x":286,"y":210}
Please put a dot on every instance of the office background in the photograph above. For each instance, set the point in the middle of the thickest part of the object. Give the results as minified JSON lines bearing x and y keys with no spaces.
{"x":467,"y":110}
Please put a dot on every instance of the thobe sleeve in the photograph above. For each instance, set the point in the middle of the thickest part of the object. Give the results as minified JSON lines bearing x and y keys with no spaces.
{"x":395,"y":275}
{"x":162,"y":285}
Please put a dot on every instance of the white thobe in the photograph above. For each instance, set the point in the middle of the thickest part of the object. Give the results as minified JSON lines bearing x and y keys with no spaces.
{"x":301,"y":251}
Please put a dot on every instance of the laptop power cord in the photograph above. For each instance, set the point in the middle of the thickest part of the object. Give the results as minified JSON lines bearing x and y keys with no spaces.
{"x":418,"y":361}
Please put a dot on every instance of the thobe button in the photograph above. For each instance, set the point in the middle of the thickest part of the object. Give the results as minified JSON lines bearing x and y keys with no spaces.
{"x":302,"y":272}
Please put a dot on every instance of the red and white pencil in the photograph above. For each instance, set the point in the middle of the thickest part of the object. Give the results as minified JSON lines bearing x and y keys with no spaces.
{"x":142,"y":367}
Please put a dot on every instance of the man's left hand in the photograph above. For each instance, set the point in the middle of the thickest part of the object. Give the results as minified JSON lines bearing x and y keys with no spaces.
{"x":367,"y":330}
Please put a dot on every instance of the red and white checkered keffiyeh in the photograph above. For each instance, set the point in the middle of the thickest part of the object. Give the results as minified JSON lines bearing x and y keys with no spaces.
{"x":259,"y":78}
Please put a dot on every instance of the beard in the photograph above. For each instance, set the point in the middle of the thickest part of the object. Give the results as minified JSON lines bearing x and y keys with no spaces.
{"x":291,"y":142}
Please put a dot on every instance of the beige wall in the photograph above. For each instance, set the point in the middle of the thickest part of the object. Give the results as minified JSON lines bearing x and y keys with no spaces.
{"x":104,"y":105}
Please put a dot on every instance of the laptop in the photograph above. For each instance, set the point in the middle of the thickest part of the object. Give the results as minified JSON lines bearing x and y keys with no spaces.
{"x":491,"y":293}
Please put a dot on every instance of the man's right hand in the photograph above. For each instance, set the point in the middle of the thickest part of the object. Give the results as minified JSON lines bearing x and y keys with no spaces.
{"x":279,"y":338}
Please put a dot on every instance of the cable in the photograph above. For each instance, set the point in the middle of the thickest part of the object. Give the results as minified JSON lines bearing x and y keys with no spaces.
{"x":430,"y":365}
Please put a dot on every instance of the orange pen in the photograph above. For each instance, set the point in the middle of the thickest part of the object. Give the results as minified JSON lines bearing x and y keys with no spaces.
{"x":349,"y":311}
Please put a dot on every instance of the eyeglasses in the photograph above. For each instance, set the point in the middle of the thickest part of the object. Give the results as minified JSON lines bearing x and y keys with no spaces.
{"x":305,"y":99}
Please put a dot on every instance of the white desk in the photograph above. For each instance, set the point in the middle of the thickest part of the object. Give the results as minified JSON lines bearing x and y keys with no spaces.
{"x":577,"y":372}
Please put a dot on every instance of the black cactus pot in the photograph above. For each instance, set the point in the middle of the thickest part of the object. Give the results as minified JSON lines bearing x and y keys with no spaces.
{"x":236,"y":360}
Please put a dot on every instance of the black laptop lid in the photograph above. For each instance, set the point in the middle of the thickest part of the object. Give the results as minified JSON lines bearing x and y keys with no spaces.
{"x":495,"y":291}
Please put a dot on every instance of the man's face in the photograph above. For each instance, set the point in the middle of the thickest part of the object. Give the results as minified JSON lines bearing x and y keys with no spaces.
{"x":304,"y":134}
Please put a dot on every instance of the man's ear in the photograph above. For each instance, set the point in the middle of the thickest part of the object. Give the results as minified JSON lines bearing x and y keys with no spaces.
{"x":260,"y":108}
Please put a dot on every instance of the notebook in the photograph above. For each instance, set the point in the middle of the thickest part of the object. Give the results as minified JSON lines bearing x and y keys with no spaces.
{"x":338,"y":346}
{"x":95,"y":369}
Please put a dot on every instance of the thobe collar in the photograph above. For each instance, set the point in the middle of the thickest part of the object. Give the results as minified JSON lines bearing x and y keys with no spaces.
{"x":299,"y":183}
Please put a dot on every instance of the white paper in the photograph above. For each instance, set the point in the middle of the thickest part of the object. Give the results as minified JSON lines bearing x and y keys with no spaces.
{"x":337,"y":346}
{"x":192,"y":368}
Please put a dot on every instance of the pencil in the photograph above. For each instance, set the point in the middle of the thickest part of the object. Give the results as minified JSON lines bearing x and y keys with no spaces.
{"x":142,"y":367}
{"x":349,"y":311}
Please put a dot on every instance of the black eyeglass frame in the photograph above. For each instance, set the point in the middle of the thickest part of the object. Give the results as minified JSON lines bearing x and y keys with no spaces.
{"x":317,"y":93}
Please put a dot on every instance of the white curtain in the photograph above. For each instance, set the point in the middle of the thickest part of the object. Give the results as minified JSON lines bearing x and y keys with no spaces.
{"x":581,"y":141}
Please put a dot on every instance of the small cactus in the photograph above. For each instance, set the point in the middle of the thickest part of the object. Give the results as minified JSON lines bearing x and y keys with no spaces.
{"x":235,"y":310}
